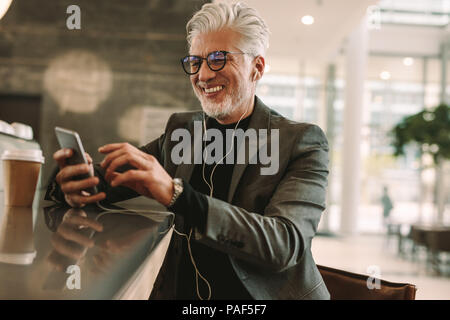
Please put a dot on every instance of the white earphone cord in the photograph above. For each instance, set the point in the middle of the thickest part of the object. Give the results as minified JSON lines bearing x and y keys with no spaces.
{"x":211,"y":186}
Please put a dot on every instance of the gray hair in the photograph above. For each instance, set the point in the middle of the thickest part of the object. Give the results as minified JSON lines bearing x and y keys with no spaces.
{"x":238,"y":17}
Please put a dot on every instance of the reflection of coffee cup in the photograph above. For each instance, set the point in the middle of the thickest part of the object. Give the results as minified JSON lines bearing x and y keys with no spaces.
{"x":16,"y":235}
{"x":21,"y":173}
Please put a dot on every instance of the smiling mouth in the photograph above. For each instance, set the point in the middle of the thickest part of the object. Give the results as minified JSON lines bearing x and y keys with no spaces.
{"x":213,"y":89}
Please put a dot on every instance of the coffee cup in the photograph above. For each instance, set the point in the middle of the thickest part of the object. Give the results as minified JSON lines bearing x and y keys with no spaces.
{"x":21,"y":170}
{"x":16,"y":235}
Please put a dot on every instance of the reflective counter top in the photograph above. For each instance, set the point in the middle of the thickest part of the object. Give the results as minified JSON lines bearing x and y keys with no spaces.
{"x":56,"y":252}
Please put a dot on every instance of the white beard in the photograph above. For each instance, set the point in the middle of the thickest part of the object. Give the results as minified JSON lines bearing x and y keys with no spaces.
{"x":217,"y":110}
{"x":224,"y":109}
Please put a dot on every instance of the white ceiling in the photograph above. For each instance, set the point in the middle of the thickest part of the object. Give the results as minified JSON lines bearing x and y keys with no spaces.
{"x":296,"y":43}
{"x":299,"y":49}
{"x":333,"y":20}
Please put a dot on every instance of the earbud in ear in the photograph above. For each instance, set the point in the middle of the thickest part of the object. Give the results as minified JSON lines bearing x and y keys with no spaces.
{"x":254,"y":76}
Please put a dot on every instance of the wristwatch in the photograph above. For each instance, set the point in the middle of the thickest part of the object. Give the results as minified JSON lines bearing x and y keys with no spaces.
{"x":177,"y":190}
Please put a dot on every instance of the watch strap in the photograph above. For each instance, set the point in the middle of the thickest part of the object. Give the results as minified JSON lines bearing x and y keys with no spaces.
{"x":177,"y":190}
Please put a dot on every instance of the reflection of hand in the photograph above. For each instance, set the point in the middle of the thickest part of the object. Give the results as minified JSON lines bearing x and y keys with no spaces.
{"x":148,"y":178}
{"x":72,"y":238}
{"x":112,"y":249}
{"x":73,"y":189}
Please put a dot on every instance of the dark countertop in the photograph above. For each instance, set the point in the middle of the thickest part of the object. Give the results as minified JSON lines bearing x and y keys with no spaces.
{"x":117,"y":252}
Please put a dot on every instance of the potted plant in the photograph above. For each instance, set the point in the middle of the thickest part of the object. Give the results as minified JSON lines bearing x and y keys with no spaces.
{"x":430,"y":129}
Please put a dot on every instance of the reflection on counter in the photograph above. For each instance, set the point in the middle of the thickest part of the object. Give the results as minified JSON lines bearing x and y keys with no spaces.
{"x":96,"y":242}
{"x":16,"y":236}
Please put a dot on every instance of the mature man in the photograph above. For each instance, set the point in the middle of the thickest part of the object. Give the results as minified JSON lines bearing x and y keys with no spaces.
{"x":249,"y":233}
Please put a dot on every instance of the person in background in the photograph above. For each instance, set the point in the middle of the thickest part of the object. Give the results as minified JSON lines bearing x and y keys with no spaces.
{"x":387,"y":205}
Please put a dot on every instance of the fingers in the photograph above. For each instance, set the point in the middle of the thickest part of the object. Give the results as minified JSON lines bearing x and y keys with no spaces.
{"x":115,"y":150}
{"x":88,"y":157}
{"x":58,"y":261}
{"x":75,"y":186}
{"x":111,"y":156}
{"x":61,"y":155}
{"x":126,"y":177}
{"x":77,"y":212}
{"x":81,"y":200}
{"x":69,"y":233}
{"x":78,"y":221}
{"x":135,"y":160}
{"x":67,"y":248}
{"x":67,"y":173}
{"x":107,"y":148}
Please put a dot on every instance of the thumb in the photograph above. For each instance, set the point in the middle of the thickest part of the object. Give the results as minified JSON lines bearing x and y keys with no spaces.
{"x":88,"y":157}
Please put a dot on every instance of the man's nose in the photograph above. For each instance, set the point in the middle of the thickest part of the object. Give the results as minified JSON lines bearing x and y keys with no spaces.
{"x":205,"y":73}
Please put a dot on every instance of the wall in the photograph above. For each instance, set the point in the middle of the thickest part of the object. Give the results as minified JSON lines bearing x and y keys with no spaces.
{"x":97,"y":80}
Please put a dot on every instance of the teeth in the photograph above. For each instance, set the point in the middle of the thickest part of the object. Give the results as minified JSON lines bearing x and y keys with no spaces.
{"x":215,"y":89}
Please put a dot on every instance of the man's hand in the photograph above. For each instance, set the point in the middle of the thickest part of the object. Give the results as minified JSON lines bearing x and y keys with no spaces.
{"x":73,"y":189}
{"x":148,"y":178}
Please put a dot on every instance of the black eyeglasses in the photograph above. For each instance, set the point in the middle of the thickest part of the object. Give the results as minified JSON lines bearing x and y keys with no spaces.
{"x":216,"y":61}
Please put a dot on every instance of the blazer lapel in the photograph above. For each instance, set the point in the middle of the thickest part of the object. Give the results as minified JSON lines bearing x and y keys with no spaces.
{"x":260,"y":120}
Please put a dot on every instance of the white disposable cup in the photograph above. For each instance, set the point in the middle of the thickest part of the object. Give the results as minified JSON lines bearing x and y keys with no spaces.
{"x":21,"y":170}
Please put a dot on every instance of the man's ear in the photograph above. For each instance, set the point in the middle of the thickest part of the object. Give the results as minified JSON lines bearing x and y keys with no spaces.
{"x":260,"y":64}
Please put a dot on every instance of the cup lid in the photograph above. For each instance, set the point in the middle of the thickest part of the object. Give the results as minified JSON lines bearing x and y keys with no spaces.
{"x":24,"y":155}
{"x":22,"y":130}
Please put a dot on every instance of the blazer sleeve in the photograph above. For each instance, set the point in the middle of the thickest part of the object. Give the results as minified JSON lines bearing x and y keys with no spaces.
{"x":278,"y":239}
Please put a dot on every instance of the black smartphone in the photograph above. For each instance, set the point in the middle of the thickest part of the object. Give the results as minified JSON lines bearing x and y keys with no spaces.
{"x":71,"y":140}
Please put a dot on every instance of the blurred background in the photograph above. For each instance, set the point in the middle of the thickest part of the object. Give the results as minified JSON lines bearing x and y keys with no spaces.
{"x":370,"y":73}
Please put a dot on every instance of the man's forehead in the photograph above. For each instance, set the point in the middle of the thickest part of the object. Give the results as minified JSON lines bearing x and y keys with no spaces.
{"x":205,"y":43}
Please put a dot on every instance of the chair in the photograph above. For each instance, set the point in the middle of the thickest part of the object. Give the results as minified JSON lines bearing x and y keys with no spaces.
{"x":344,"y":285}
{"x":438,"y":242}
{"x":417,"y":234}
{"x":434,"y":238}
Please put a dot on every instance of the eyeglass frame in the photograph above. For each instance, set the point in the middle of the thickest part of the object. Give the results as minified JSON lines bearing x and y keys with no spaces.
{"x":201,"y":60}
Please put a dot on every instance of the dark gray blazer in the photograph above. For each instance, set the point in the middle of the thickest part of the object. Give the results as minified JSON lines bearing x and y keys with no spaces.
{"x":268,"y":222}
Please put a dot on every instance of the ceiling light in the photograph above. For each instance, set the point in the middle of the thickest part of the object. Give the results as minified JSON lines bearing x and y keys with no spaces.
{"x":408,"y":61}
{"x":385,"y":75}
{"x":308,"y":20}
{"x":4,"y":5}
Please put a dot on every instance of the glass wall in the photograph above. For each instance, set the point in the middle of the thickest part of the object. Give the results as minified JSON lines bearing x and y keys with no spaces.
{"x":388,"y":99}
